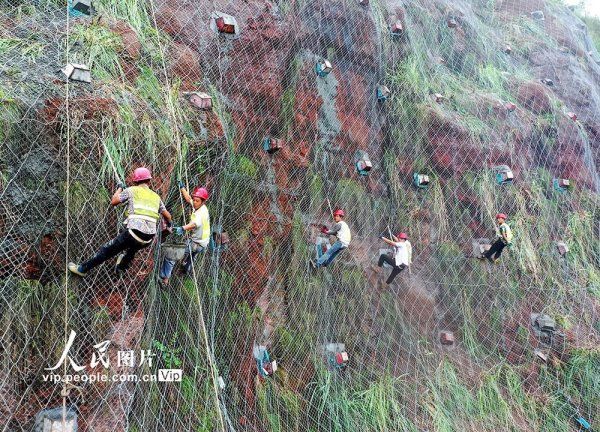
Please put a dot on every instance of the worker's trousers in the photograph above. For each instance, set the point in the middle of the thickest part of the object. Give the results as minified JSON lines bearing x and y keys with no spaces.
{"x":327,"y":257}
{"x":124,"y":242}
{"x":385,"y":258}
{"x":495,"y":250}
{"x":188,"y":260}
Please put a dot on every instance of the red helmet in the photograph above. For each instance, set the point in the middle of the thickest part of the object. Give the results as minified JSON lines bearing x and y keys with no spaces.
{"x":339,"y":212}
{"x":141,"y":173}
{"x":200,"y":192}
{"x":402,"y":236}
{"x":501,"y":215}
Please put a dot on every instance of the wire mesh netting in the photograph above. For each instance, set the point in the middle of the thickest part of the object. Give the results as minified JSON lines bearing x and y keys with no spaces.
{"x":426,"y":117}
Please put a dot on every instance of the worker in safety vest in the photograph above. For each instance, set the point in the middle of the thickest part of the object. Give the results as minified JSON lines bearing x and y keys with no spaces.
{"x":144,"y":208}
{"x":199,"y":227}
{"x":402,"y":255}
{"x":504,"y":239}
{"x":342,"y":232}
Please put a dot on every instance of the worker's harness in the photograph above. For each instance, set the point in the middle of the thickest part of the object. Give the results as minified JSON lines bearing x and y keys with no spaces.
{"x":139,"y":240}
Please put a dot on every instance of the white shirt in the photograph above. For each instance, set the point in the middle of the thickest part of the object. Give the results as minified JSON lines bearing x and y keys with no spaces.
{"x":402,"y":253}
{"x":201,"y":219}
{"x":342,"y":232}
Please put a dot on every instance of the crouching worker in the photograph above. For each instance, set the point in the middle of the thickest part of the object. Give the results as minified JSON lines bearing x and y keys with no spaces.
{"x":504,"y":239}
{"x":402,"y":255}
{"x":144,"y":208}
{"x":342,"y":232}
{"x":199,"y":227}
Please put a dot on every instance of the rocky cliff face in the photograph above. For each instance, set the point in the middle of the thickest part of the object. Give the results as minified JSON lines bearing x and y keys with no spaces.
{"x":473,"y":85}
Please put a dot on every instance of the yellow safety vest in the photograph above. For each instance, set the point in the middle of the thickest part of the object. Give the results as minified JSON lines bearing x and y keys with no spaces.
{"x":200,"y":216}
{"x":505,"y":231}
{"x":146,"y":203}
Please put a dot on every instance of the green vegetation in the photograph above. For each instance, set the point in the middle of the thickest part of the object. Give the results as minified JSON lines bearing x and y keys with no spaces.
{"x":133,"y":12}
{"x":150,"y":88}
{"x":489,"y":407}
{"x":375,"y":406}
{"x":29,"y":49}
{"x":593,"y":25}
{"x":168,"y":355}
{"x":238,"y":180}
{"x":101,"y":47}
{"x":288,"y":97}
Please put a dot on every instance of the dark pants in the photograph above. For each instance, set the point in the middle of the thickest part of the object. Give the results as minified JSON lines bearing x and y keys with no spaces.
{"x":385,"y":258}
{"x":123,"y":242}
{"x":495,"y":250}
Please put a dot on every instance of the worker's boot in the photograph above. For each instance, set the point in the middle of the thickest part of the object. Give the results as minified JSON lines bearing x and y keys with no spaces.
{"x":76,"y":269}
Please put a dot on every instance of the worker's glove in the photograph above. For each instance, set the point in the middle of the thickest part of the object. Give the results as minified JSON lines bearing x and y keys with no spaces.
{"x":180,"y":184}
{"x":121,"y":185}
{"x":324,"y":229}
{"x":178,"y":230}
{"x":166,"y":226}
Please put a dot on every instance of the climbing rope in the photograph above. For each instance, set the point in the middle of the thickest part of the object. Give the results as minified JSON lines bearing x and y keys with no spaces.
{"x":67,"y":276}
{"x":174,"y":122}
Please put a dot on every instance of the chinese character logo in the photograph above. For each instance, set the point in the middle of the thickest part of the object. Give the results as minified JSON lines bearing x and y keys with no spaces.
{"x":125,"y":358}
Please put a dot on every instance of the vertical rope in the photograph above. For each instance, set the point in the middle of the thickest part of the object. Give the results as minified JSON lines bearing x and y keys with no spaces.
{"x":67,"y":192}
{"x":173,"y":119}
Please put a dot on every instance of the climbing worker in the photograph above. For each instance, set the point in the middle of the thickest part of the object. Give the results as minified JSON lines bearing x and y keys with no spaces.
{"x":200,"y":232}
{"x":504,"y":239}
{"x":402,"y":255}
{"x":144,"y":208}
{"x":342,"y":232}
